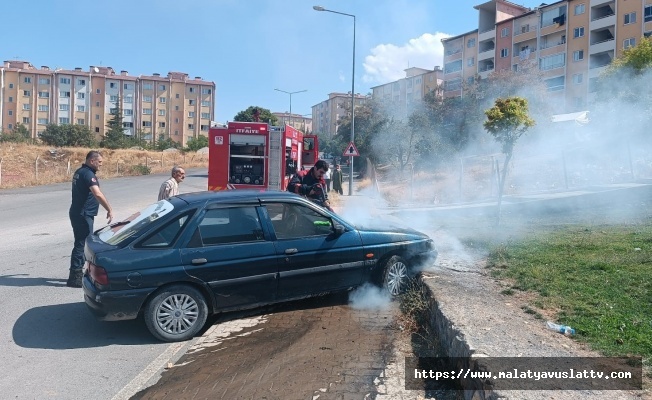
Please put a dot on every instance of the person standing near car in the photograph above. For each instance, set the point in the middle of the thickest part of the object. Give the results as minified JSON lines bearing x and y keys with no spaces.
{"x":86,"y":198}
{"x":327,"y":178}
{"x":170,"y":187}
{"x":337,"y":179}
{"x":311,"y":184}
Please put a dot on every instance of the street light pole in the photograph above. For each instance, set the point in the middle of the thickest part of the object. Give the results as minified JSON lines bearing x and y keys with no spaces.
{"x":291,"y":93}
{"x":320,"y":8}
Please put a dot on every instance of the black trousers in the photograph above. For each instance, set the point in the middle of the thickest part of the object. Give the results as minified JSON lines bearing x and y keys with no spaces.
{"x":82,"y":226}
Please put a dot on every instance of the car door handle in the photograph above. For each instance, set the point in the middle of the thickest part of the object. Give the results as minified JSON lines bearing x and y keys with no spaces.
{"x":198,"y":261}
{"x":291,"y":251}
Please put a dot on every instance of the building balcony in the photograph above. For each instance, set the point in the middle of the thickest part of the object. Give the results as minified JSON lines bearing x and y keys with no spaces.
{"x":595,"y":3}
{"x":487,"y":54}
{"x":602,"y":22}
{"x":602,"y":46}
{"x":487,"y":35}
{"x":595,"y":72}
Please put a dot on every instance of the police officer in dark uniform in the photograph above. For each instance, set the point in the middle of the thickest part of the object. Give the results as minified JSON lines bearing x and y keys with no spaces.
{"x":311,"y":184}
{"x":86,"y":198}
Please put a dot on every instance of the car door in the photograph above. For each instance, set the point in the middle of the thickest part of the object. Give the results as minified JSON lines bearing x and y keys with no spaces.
{"x":230,"y":252}
{"x":312,"y":258}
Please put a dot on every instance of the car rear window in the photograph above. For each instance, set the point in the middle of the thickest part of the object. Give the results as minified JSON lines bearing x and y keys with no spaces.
{"x":120,"y":231}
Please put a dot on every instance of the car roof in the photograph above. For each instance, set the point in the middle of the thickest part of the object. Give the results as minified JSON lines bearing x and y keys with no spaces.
{"x":228,"y":196}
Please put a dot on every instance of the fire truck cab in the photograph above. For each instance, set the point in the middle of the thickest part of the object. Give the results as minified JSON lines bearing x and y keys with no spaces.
{"x":256,"y":155}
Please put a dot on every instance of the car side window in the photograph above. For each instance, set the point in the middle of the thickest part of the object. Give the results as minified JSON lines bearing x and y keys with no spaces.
{"x":165,"y":236}
{"x":293,"y":221}
{"x":230,"y":225}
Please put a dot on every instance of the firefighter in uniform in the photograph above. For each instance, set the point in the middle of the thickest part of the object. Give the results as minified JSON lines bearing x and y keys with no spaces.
{"x":311,"y":184}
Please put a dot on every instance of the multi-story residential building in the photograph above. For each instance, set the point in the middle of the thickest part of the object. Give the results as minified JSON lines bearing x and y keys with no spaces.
{"x":402,"y":95}
{"x":175,"y":106}
{"x":570,"y":41}
{"x":299,"y":121}
{"x":326,"y":115}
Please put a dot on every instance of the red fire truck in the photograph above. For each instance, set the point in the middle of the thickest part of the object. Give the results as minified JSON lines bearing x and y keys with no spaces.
{"x":256,"y":155}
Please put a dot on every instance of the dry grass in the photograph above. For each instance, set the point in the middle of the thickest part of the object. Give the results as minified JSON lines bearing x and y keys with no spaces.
{"x":24,"y":165}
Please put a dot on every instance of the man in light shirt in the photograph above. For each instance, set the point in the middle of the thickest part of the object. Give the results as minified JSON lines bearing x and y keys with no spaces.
{"x":170,"y":187}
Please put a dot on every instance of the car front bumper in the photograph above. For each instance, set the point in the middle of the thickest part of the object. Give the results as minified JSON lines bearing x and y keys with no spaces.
{"x":114,"y":305}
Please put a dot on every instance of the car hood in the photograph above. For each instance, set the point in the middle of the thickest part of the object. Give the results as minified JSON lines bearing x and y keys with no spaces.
{"x":392,"y":234}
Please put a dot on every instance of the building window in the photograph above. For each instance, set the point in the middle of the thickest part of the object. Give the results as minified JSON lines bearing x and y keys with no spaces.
{"x":147,"y":99}
{"x":98,"y":91}
{"x":25,"y":120}
{"x":128,"y":86}
{"x":11,"y":86}
{"x":191,"y":89}
{"x":552,"y":62}
{"x":81,"y":82}
{"x":11,"y":99}
{"x":64,"y":120}
{"x":453,"y":67}
{"x":206,"y":91}
{"x":176,"y":120}
{"x":43,"y":81}
{"x":113,"y":98}
{"x":578,"y":55}
{"x":630,"y":18}
{"x":113,"y":85}
{"x":176,"y":96}
{"x":578,"y":32}
{"x":206,"y":103}
{"x":128,"y":99}
{"x":470,"y":43}
{"x":577,"y":79}
{"x":161,"y":112}
{"x":10,"y":126}
{"x":191,"y":127}
{"x":191,"y":102}
{"x":43,"y":121}
{"x":470,"y":61}
{"x":161,"y":100}
{"x":81,"y":121}
{"x":204,"y":128}
{"x":97,"y":129}
{"x":191,"y":114}
{"x":44,"y":107}
{"x":176,"y":108}
{"x":176,"y":133}
{"x":147,"y":86}
{"x":64,"y":107}
{"x":27,"y":93}
{"x":147,"y":111}
{"x":44,"y":95}
{"x":81,"y":95}
{"x":81,"y":108}
{"x":161,"y":124}
{"x":63,"y":93}
{"x":97,"y":116}
{"x":504,"y":32}
{"x":64,"y":81}
{"x":161,"y":87}
{"x":147,"y":124}
{"x":128,"y":112}
{"x":555,"y":84}
{"x":206,"y":115}
{"x":97,"y":104}
{"x":629,"y":42}
{"x":27,"y":107}
{"x":27,"y":79}
{"x":504,"y":53}
{"x":127,"y":124}
{"x":554,"y":16}
{"x":647,"y":14}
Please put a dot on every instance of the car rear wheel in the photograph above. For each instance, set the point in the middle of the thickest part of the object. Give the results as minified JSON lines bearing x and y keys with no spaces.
{"x":176,"y":313}
{"x":395,"y":275}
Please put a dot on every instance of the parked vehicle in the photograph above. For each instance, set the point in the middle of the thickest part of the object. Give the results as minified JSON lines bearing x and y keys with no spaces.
{"x":179,"y":260}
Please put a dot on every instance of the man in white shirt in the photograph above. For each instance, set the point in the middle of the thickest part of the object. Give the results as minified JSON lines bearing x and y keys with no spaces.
{"x":170,"y":187}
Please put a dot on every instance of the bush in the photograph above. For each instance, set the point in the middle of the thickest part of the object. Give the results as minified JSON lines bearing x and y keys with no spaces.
{"x":140,"y":169}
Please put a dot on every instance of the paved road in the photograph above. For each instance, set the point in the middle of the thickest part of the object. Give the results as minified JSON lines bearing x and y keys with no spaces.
{"x":52,"y":348}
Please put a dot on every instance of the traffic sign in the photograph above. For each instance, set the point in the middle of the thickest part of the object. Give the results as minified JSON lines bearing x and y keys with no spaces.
{"x":351,"y":151}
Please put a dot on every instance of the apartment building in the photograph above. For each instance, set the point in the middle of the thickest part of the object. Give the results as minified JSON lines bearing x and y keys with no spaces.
{"x":298,"y":121}
{"x":402,"y":95}
{"x":326,"y":115}
{"x":570,"y":42}
{"x":175,"y":106}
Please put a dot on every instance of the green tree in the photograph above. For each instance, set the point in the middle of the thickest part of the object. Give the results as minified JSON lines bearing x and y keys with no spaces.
{"x":248,"y":115}
{"x":507,"y":121}
{"x":19,"y":134}
{"x":197,"y":143}
{"x":115,"y":135}
{"x":635,"y":60}
{"x":166,"y":143}
{"x":68,"y":135}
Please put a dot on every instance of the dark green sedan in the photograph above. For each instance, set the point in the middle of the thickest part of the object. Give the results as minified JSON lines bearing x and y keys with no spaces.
{"x":179,"y":260}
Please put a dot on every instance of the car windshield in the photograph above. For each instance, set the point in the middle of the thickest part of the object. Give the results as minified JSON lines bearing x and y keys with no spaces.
{"x":118,"y":232}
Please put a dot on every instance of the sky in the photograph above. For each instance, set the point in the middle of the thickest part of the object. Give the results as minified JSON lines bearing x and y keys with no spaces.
{"x":247,"y":47}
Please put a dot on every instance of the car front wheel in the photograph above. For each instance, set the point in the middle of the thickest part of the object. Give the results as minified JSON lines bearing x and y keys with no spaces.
{"x":176,"y":313}
{"x":395,"y":275}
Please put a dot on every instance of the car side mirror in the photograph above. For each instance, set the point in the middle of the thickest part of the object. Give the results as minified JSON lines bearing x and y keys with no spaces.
{"x":338,"y":229}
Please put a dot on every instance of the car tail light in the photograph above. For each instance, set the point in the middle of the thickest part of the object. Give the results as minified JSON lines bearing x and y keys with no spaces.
{"x":98,"y":274}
